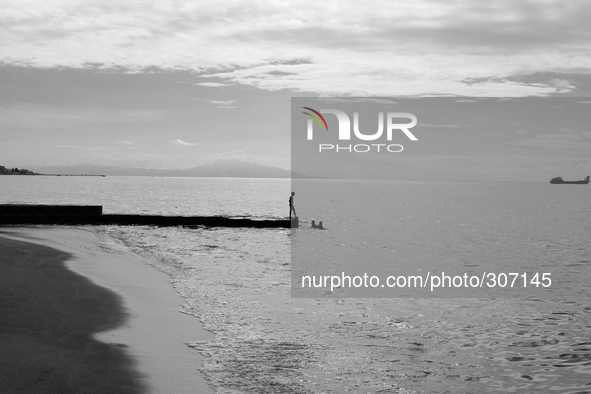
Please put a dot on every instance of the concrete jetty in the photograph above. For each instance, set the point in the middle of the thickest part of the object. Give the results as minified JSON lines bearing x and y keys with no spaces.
{"x":11,"y":214}
{"x":101,"y":175}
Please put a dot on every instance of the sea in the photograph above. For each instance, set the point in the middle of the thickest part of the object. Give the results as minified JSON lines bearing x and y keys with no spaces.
{"x":238,"y":281}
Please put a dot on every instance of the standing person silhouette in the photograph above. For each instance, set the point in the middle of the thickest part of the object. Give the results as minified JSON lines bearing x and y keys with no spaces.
{"x":291,"y":207}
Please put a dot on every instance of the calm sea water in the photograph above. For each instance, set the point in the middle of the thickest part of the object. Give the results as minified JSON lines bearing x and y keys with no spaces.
{"x":237,"y":281}
{"x":154,"y":196}
{"x":387,"y":228}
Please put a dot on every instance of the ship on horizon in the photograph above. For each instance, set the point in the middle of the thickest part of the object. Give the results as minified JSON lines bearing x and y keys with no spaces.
{"x":558,"y":180}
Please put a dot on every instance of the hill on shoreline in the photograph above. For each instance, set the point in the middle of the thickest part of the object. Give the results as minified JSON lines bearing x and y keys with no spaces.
{"x":219,"y":169}
{"x":15,"y":171}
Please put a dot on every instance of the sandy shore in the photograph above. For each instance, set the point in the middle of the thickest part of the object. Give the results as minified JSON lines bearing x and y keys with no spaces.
{"x":74,"y":318}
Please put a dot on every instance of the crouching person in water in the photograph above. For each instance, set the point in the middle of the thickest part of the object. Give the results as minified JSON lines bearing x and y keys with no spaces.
{"x":319,"y":227}
{"x":313,"y":224}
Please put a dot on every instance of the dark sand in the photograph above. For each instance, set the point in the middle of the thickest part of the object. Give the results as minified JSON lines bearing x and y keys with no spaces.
{"x":74,"y":319}
{"x":47,"y":317}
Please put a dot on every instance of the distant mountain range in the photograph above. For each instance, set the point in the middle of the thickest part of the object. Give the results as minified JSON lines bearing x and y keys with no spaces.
{"x":219,"y":169}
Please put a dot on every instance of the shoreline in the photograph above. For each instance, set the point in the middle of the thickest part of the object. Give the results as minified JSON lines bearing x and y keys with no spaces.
{"x":140,"y":322}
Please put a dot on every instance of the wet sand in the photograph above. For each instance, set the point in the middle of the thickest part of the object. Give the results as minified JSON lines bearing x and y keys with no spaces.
{"x":77,"y":319}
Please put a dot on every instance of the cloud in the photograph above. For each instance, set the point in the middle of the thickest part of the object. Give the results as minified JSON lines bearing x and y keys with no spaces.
{"x":125,"y":142}
{"x":99,"y":148}
{"x":584,"y":102}
{"x":555,"y":141}
{"x":561,"y":83}
{"x":213,"y":84}
{"x":93,"y":148}
{"x":181,"y":142}
{"x":439,"y":126}
{"x":56,"y":117}
{"x":381,"y":49}
{"x":355,"y":100}
{"x":220,"y":103}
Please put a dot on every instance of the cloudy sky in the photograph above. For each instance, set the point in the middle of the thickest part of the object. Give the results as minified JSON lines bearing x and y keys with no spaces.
{"x":174,"y":84}
{"x":477,"y":138}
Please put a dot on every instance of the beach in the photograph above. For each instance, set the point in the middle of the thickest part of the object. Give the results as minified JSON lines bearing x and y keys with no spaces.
{"x":77,"y":318}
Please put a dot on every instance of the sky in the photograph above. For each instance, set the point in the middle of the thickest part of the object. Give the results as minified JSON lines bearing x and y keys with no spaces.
{"x":177,"y":84}
{"x":507,"y":138}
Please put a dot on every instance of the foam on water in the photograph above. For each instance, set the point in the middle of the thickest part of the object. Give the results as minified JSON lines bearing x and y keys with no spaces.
{"x":237,"y":281}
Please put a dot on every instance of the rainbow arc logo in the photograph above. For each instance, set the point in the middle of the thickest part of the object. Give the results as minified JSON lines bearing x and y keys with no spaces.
{"x":315,"y":118}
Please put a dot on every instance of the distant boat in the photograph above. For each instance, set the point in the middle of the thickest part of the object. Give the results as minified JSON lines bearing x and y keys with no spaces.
{"x":559,"y":181}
